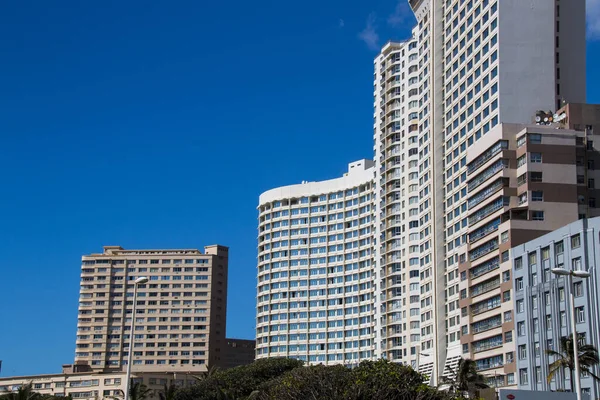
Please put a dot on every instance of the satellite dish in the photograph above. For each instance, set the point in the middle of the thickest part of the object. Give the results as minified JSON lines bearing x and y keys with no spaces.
{"x":538,"y":119}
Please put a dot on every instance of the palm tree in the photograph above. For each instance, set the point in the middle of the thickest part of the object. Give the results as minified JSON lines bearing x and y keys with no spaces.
{"x":139,"y":391}
{"x":25,"y":392}
{"x":465,"y":379}
{"x":169,"y":392}
{"x":588,"y":357}
{"x":209,"y":373}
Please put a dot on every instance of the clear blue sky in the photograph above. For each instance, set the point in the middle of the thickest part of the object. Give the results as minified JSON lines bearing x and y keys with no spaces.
{"x":157,"y":125}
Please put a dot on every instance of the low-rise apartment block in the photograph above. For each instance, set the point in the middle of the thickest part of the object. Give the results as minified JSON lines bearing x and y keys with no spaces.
{"x":542,"y":310}
{"x":92,"y":385}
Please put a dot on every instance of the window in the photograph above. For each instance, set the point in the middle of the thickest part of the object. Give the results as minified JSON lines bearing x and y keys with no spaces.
{"x":504,"y":237}
{"x":510,"y":379}
{"x":537,"y":215}
{"x":535,"y":138}
{"x":578,"y":289}
{"x":518,"y":263}
{"x":523,"y":378}
{"x":522,"y":351}
{"x":591,"y":184}
{"x":563,"y":319}
{"x":535,"y":157}
{"x":520,"y":306}
{"x":535,"y":176}
{"x":575,"y":241}
{"x":537,"y":195}
{"x":580,"y":315}
{"x":521,"y":328}
{"x":519,"y":284}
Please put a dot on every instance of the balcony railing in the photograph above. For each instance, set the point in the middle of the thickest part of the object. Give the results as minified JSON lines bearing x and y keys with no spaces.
{"x":489,"y":209}
{"x":491,"y":362}
{"x":489,"y":172}
{"x":486,"y":324}
{"x":484,"y":230}
{"x":485,"y":194}
{"x":483,"y":249}
{"x":486,"y":156}
{"x":487,"y":344}
{"x":486,"y":305}
{"x":485,"y":287}
{"x":484,"y":268}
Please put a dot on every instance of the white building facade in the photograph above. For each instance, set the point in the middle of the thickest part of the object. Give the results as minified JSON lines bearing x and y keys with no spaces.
{"x":468,"y":67}
{"x":315,"y":290}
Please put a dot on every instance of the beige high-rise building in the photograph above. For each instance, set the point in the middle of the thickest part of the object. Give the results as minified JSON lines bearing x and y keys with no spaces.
{"x":181,"y":312}
{"x":522,"y":182}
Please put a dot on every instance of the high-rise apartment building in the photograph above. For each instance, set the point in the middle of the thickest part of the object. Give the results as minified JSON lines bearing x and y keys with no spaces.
{"x":522,"y":182}
{"x":315,"y":290}
{"x":469,"y":67}
{"x":180,"y":318}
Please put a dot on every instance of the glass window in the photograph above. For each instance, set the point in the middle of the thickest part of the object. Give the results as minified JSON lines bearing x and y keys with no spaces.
{"x":575,"y":241}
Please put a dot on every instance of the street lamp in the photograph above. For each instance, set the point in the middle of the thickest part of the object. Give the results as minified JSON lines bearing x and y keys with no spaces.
{"x":570,"y":275}
{"x":139,"y":281}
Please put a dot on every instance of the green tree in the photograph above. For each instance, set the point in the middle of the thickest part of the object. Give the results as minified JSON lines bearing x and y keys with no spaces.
{"x":371,"y":380}
{"x":239,"y":382}
{"x":211,"y":371}
{"x":464,"y":380}
{"x":139,"y":391}
{"x":25,"y":392}
{"x":168,"y":392}
{"x":564,"y":358}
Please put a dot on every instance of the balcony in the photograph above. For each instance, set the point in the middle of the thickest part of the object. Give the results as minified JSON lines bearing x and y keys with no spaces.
{"x":486,"y":305}
{"x":483,"y":249}
{"x":486,"y":193}
{"x":486,"y":156}
{"x":484,"y":268}
{"x":486,"y":324}
{"x":485,"y":287}
{"x":485,"y":230}
{"x":487,"y":174}
{"x":489,"y":209}
{"x":487,"y":344}
{"x":490,"y":362}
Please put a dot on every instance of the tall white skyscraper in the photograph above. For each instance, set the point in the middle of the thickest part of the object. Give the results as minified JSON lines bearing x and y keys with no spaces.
{"x":449,"y":195}
{"x":468,"y":67}
{"x":315,"y":290}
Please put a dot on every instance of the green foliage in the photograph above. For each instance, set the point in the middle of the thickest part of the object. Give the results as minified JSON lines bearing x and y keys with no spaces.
{"x":26,"y":392}
{"x":139,"y":391}
{"x":371,"y":380}
{"x":169,"y":392}
{"x":239,"y":382}
{"x":465,"y":380}
{"x":565,"y":358}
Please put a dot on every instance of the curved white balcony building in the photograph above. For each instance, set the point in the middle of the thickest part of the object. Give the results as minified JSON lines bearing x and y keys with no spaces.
{"x":315,"y":290}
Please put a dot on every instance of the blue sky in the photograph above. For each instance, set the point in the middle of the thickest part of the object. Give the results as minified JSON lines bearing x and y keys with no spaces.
{"x":157,"y":125}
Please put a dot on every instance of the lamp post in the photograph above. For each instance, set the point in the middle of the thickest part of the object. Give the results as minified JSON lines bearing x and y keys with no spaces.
{"x":570,"y":275}
{"x":138,"y":281}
